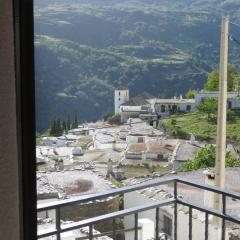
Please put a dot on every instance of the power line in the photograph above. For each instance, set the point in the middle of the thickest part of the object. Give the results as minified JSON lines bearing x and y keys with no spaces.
{"x":236,"y":24}
{"x":234,"y":39}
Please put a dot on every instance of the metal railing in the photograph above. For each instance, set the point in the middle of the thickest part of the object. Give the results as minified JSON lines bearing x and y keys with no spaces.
{"x":175,"y":200}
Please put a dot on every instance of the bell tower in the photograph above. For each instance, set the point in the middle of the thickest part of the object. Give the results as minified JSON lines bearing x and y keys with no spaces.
{"x":121,"y":95}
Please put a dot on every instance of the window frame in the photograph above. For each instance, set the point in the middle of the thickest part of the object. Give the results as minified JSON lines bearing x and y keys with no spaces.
{"x":23,"y":21}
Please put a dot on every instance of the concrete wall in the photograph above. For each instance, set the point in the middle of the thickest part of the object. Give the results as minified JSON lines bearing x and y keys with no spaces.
{"x":9,"y":197}
{"x":85,"y":211}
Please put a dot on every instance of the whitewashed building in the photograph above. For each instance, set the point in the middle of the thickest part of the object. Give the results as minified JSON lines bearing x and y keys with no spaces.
{"x":165,"y":107}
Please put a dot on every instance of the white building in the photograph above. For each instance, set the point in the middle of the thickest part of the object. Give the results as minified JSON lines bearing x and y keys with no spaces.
{"x":233,"y":98}
{"x":121,"y":96}
{"x":149,"y":106}
{"x":165,"y":107}
{"x":135,"y":106}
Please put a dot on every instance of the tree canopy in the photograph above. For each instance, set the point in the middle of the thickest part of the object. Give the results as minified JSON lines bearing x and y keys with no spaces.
{"x":191,"y":93}
{"x":208,"y":106}
{"x":233,"y":80}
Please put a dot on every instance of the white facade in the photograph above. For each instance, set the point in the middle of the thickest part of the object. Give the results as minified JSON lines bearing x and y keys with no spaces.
{"x":130,"y":108}
{"x":164,"y":107}
{"x":233,"y":98}
{"x":121,"y":95}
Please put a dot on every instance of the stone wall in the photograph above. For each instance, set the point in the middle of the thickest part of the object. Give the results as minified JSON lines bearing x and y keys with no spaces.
{"x":92,"y":209}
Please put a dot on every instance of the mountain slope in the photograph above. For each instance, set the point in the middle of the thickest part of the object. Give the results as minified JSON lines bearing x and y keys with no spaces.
{"x":84,"y":49}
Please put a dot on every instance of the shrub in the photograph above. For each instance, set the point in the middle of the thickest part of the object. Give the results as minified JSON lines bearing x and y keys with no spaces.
{"x":205,"y":158}
{"x":178,"y":132}
{"x":116,"y":119}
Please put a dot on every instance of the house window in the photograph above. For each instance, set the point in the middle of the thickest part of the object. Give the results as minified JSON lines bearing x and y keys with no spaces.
{"x":119,"y":93}
{"x":140,"y":140}
{"x":167,"y":225}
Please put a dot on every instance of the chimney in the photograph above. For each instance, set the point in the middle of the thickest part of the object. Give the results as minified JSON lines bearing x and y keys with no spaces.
{"x":208,"y":195}
{"x":181,"y":97}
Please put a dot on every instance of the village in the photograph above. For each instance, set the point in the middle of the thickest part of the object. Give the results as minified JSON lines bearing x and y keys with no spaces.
{"x":96,"y":157}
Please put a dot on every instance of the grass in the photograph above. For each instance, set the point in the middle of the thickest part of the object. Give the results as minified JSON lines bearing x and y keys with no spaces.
{"x":198,"y":124}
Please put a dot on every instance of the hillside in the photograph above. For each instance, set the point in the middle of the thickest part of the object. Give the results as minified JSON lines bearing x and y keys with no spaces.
{"x":86,"y":48}
{"x":198,"y":124}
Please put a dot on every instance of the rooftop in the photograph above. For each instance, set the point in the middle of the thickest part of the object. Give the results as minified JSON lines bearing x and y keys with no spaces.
{"x":173,"y":101}
{"x":139,"y":100}
{"x":69,"y":183}
{"x":121,"y":88}
{"x":189,"y":193}
{"x":186,"y":151}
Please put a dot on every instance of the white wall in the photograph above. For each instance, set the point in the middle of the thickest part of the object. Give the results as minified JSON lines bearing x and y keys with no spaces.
{"x":201,"y":95}
{"x":120,"y":97}
{"x":134,"y":199}
{"x":134,"y":139}
{"x":130,"y":108}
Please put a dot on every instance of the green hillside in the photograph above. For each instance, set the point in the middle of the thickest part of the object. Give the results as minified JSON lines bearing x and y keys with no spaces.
{"x":198,"y":124}
{"x":84,"y":49}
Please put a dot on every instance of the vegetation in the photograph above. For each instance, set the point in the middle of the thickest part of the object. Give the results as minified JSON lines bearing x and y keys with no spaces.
{"x":56,"y":128}
{"x":88,"y":49}
{"x":191,"y":93}
{"x":116,"y":183}
{"x":199,"y":125}
{"x":107,"y":116}
{"x":59,"y":126}
{"x":57,"y":159}
{"x":116,"y":119}
{"x":209,"y":106}
{"x":38,"y":139}
{"x":205,"y":158}
{"x":233,"y":80}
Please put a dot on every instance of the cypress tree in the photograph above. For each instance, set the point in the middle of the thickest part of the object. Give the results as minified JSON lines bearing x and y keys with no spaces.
{"x":53,"y":128}
{"x":75,"y":124}
{"x":64,"y":126}
{"x":68,"y":124}
{"x":58,"y":128}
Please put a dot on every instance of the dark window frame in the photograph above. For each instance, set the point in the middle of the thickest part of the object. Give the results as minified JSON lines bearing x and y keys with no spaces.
{"x":25,"y":108}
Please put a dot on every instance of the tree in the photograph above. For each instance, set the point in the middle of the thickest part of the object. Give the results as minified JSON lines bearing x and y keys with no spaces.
{"x":53,"y":129}
{"x":191,"y":93}
{"x":208,"y":106}
{"x":162,"y":95}
{"x":107,"y":115}
{"x":59,"y":130}
{"x":233,"y":79}
{"x":116,"y":119}
{"x":75,"y":123}
{"x":64,"y":126}
{"x":69,"y":124}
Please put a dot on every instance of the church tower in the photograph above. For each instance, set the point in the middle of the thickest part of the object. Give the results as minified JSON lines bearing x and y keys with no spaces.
{"x":121,"y":95}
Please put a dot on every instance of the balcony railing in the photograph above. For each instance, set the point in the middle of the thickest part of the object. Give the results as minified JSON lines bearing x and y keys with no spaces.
{"x":175,"y":200}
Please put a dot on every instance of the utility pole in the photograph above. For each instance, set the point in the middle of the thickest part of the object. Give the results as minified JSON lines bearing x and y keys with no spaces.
{"x":222,"y":115}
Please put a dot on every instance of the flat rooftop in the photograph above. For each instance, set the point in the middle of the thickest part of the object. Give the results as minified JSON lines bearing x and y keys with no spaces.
{"x":69,"y":183}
